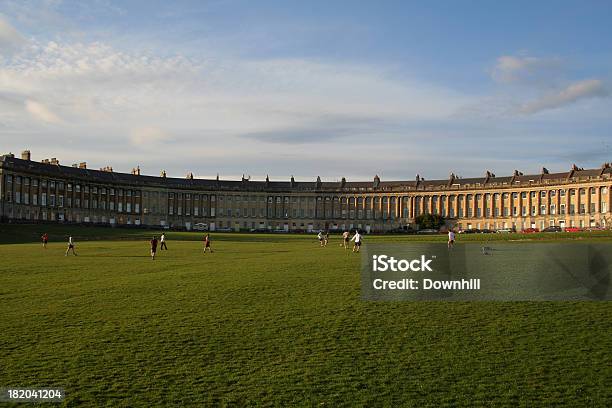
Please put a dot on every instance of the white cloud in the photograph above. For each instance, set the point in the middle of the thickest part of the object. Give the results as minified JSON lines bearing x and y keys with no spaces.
{"x":148,"y":135}
{"x":96,"y":86}
{"x":176,"y":110}
{"x":41,"y":112}
{"x":590,"y":88}
{"x":10,"y":38}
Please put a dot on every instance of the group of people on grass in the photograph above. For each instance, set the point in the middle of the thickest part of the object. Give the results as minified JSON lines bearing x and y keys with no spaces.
{"x":322,"y":236}
{"x":346,"y":239}
{"x":153,"y":244}
{"x":162,"y":242}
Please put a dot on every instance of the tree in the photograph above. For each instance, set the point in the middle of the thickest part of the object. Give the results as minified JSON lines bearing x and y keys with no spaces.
{"x":430,"y":221}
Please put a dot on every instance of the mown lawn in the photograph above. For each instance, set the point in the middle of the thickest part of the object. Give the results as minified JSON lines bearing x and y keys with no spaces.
{"x":273,"y":320}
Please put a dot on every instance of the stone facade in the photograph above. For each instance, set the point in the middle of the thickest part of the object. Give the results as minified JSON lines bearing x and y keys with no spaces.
{"x":48,"y":191}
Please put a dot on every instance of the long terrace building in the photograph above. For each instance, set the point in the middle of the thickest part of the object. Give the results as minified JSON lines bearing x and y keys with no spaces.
{"x":47,"y":191}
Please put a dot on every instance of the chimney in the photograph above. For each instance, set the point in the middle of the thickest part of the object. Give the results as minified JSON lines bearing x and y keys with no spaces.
{"x":54,"y":161}
{"x":45,"y":161}
{"x":82,"y":165}
{"x":25,"y":155}
{"x":376,"y":181}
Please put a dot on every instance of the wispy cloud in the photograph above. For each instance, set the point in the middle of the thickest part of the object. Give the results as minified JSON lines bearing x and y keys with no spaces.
{"x":523,"y":68}
{"x":41,"y":112}
{"x":10,"y":38}
{"x":148,"y":136}
{"x":590,"y":88}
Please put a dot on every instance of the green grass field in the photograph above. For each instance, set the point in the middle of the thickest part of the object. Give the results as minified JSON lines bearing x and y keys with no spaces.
{"x":274,"y":320}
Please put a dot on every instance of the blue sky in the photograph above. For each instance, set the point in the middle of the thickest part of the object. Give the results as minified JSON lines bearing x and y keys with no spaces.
{"x":308,"y":88}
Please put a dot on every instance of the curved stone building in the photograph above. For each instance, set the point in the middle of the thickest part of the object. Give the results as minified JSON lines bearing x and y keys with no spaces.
{"x":48,"y":191}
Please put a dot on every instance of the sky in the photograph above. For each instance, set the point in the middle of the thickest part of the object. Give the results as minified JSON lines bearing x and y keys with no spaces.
{"x":319,"y":88}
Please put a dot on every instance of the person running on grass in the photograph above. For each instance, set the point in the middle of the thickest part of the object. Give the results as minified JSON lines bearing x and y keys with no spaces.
{"x":162,"y":242}
{"x":320,"y":238}
{"x":451,"y":239}
{"x":153,"y":243}
{"x":45,"y":240}
{"x":70,"y":247}
{"x":357,"y":238}
{"x":346,"y":236}
{"x":207,"y":243}
{"x":326,"y":238}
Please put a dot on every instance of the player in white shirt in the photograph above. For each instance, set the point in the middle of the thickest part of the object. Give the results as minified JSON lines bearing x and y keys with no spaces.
{"x":321,"y":238}
{"x":162,"y":242}
{"x":357,"y":238}
{"x":70,"y":247}
{"x":451,"y":238}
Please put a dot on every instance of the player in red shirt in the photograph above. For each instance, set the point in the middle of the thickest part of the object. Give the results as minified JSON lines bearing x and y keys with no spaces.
{"x":45,"y":240}
{"x":153,"y":243}
{"x":207,"y":243}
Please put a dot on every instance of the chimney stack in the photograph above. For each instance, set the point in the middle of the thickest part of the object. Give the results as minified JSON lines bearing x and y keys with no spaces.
{"x":54,"y":161}
{"x":25,"y":155}
{"x":82,"y":165}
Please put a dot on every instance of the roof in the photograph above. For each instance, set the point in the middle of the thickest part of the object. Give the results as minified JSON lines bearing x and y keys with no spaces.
{"x":452,"y":183}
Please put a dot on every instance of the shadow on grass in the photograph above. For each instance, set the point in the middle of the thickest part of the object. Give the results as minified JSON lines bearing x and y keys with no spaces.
{"x":116,"y":256}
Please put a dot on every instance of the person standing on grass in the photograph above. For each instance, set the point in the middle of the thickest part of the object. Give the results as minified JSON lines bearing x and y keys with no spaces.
{"x":357,"y":238}
{"x":346,"y":236}
{"x":70,"y":247}
{"x":451,"y":238}
{"x":153,"y":243}
{"x":326,"y":238}
{"x":162,"y":241}
{"x":320,"y":238}
{"x":207,"y":243}
{"x":45,"y":240}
